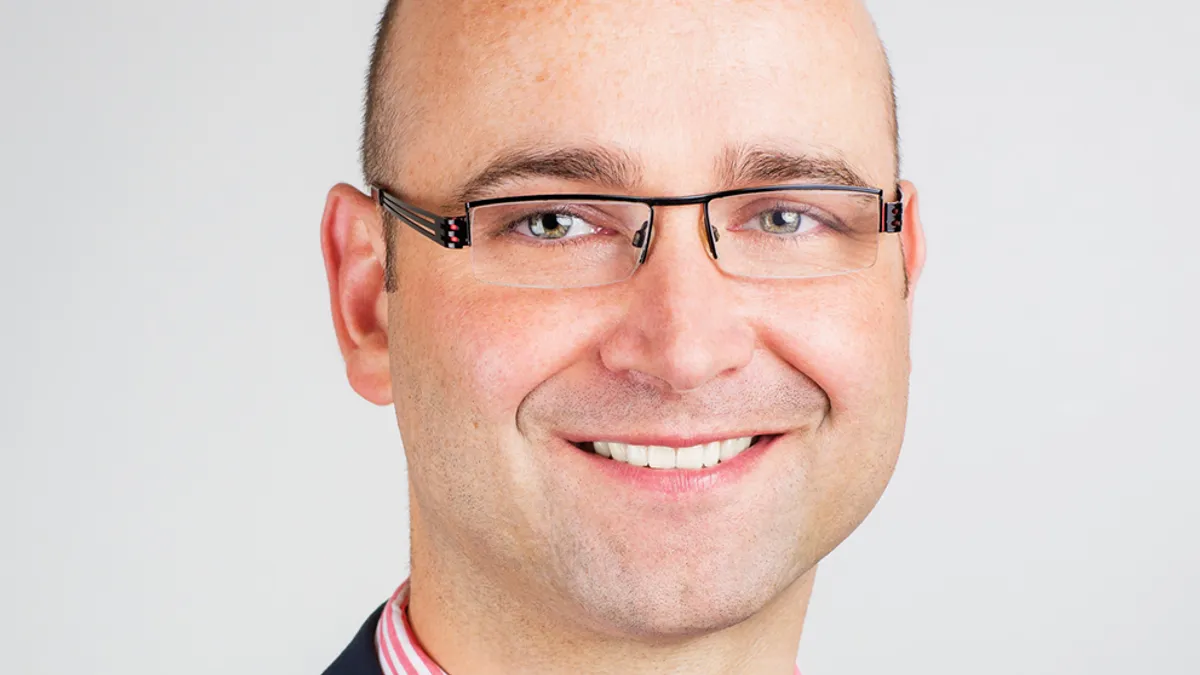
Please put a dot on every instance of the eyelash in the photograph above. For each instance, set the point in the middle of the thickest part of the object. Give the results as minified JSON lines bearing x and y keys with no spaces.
{"x":511,"y":224}
{"x":804,"y":210}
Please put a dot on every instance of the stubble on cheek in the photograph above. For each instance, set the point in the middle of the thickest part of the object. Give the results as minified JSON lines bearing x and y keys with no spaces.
{"x":849,"y":335}
{"x":465,"y":365}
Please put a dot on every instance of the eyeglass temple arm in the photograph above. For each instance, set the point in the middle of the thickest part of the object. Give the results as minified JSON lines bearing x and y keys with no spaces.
{"x":447,"y":232}
{"x":893,"y":217}
{"x":893,"y":214}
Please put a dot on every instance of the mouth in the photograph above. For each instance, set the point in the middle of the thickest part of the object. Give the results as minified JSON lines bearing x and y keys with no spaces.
{"x":666,"y":458}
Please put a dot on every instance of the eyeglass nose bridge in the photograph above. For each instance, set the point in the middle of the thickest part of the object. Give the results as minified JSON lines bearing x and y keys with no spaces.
{"x":645,"y":234}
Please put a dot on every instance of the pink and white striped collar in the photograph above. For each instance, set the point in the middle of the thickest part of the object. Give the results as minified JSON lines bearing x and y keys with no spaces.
{"x":399,"y":651}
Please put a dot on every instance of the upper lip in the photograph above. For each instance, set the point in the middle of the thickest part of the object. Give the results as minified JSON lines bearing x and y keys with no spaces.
{"x":668,"y":441}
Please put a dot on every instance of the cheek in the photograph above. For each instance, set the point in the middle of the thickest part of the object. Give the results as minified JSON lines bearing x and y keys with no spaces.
{"x":847,"y":334}
{"x":507,"y":342}
{"x":850,"y":337}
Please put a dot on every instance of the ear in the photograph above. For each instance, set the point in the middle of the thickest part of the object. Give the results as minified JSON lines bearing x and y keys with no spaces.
{"x":912,"y":239}
{"x":353,"y":246}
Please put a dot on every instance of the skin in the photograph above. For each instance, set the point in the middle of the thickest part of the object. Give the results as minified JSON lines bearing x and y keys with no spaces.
{"x":524,"y":558}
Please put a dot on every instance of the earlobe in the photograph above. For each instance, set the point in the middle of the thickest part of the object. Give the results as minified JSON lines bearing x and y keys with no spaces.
{"x":352,"y":244}
{"x":912,"y":237}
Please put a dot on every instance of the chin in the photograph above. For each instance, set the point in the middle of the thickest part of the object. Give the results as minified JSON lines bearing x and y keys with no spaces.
{"x":664,"y":602}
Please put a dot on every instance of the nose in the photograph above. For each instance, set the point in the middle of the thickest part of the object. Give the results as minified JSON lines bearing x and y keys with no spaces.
{"x":684,"y":325}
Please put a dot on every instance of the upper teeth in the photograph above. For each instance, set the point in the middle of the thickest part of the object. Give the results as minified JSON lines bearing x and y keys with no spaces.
{"x":661,"y":457}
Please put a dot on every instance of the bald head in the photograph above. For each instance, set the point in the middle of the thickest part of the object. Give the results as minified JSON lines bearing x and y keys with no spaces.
{"x":392,"y":103}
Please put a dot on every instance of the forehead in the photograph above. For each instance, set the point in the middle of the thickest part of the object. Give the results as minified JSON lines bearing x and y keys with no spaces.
{"x":673,"y":84}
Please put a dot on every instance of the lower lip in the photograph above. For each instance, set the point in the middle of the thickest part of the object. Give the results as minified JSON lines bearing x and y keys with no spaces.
{"x":680,"y":481}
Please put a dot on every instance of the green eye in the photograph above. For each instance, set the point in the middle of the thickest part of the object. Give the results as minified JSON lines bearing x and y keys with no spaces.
{"x":780,"y":221}
{"x":552,"y":225}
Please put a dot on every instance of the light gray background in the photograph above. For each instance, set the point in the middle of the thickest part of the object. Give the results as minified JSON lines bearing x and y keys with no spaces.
{"x":190,"y":486}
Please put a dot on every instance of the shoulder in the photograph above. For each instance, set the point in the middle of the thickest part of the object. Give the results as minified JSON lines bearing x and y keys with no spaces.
{"x":360,"y":657}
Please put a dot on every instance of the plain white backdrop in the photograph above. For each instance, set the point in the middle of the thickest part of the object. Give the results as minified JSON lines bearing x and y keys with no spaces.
{"x":190,"y":486}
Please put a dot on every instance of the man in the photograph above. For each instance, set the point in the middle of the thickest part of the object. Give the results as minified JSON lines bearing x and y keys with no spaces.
{"x":637,"y":277}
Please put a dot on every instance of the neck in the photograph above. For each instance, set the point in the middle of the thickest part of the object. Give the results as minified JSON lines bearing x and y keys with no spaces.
{"x":469,"y":622}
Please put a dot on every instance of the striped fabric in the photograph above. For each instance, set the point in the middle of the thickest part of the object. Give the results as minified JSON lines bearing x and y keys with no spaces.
{"x":399,"y":651}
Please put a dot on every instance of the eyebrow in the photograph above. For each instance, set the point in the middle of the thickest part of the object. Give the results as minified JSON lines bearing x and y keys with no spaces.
{"x":741,"y":166}
{"x":602,"y":166}
{"x":738,"y":166}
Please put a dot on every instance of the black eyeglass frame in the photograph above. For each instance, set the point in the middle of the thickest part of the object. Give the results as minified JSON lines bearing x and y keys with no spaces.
{"x":454,"y":232}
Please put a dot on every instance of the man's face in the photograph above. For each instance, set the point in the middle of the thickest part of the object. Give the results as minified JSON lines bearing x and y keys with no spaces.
{"x":498,"y":390}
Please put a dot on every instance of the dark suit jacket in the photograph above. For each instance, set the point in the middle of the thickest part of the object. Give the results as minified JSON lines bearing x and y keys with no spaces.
{"x":361,"y":657}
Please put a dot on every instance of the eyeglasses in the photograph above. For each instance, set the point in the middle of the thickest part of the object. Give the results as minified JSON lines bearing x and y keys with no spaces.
{"x":582,"y":240}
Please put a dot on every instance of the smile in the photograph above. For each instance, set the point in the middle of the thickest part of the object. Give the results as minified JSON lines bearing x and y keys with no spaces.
{"x":696,"y":457}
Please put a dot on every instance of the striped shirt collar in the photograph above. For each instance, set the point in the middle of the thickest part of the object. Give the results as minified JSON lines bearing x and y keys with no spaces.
{"x":399,"y":651}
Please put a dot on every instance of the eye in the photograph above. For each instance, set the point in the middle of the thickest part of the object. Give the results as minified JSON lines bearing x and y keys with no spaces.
{"x":783,"y":220}
{"x":552,"y":225}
